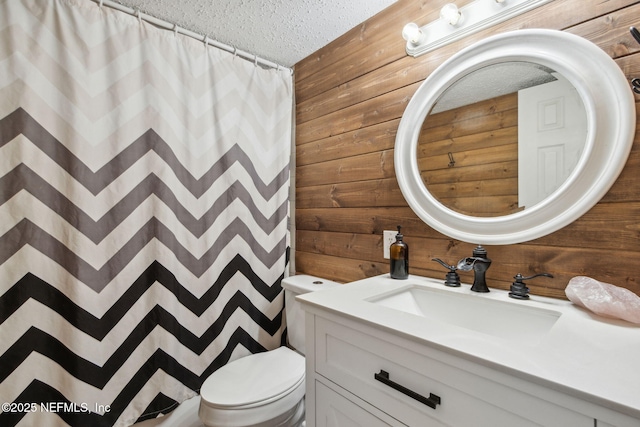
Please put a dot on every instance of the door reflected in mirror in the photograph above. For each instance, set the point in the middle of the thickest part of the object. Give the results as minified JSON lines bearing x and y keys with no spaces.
{"x":502,"y":139}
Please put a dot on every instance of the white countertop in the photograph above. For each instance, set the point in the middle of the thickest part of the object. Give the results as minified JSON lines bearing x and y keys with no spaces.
{"x":584,"y":355}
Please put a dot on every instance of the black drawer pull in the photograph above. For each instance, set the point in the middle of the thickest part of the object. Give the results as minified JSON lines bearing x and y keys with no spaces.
{"x":431,"y":402}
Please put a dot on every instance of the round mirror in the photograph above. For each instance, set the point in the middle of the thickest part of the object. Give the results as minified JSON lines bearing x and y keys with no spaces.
{"x":515,"y":137}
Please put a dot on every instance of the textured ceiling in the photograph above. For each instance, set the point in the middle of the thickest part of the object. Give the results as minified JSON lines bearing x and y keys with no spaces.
{"x":282,"y":31}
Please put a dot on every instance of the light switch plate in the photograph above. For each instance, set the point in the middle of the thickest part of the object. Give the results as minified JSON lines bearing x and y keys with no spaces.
{"x":388,"y":238}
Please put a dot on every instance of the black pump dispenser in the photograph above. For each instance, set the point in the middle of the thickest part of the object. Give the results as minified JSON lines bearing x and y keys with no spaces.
{"x":399,"y":258}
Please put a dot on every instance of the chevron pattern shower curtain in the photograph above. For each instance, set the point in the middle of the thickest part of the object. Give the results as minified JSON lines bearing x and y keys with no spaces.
{"x":143,"y":213}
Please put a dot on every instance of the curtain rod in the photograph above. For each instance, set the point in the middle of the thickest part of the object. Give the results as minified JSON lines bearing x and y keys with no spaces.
{"x":200,"y":37}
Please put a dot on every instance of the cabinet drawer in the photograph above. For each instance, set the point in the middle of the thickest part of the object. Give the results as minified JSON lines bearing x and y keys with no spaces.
{"x":335,"y":410}
{"x":352,"y":359}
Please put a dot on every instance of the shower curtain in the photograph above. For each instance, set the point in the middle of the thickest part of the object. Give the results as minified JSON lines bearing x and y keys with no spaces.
{"x":143,"y":213}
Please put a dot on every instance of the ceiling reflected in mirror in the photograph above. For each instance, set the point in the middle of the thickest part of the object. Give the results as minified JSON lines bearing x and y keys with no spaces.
{"x":491,"y":82}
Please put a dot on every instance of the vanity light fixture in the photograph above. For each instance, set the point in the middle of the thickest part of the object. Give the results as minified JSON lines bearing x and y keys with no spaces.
{"x":450,"y":14}
{"x":412,"y":34}
{"x":457,"y":23}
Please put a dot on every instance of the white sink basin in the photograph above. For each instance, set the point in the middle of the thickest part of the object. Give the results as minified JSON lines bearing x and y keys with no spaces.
{"x":514,"y":321}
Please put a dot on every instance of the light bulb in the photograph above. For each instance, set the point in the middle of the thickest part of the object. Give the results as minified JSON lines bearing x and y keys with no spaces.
{"x":450,"y":14}
{"x":411,"y":33}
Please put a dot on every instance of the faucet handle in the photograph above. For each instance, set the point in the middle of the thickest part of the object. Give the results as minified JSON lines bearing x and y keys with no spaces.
{"x":452,"y":279}
{"x":444,"y":264}
{"x":519,"y":289}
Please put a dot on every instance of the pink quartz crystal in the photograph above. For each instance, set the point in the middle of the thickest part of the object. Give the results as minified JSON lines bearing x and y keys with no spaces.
{"x":604,"y":299}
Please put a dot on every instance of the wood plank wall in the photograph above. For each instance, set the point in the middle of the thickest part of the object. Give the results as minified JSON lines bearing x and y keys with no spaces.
{"x":350,"y":96}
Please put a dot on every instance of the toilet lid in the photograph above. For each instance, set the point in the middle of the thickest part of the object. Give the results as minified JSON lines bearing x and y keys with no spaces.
{"x":254,"y":380}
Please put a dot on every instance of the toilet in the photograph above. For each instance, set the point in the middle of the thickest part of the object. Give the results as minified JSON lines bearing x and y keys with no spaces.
{"x":264,"y":389}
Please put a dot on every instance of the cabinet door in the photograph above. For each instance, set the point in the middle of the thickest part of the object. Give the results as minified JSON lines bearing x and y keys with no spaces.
{"x":335,"y":410}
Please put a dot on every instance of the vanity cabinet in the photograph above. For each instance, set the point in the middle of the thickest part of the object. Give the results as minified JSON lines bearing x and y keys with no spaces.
{"x":359,"y":375}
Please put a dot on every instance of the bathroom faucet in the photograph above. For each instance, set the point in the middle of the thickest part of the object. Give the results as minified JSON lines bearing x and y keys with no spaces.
{"x":480,"y":264}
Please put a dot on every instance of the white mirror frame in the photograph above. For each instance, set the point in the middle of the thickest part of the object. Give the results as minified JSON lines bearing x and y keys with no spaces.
{"x":611,"y":118}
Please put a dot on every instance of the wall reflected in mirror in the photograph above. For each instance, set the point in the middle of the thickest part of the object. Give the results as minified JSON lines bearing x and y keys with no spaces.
{"x":501,"y":139}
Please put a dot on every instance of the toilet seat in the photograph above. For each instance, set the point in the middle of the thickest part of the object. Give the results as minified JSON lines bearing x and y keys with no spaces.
{"x":253,"y":389}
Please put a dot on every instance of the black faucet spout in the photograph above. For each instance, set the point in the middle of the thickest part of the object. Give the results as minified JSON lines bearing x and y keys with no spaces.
{"x":480,"y":267}
{"x":481,"y":264}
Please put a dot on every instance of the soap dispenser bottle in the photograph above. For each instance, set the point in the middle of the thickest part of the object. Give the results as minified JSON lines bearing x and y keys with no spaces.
{"x":399,"y":258}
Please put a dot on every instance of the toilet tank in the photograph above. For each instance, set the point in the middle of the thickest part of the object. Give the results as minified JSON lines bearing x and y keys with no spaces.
{"x":298,"y":285}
